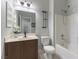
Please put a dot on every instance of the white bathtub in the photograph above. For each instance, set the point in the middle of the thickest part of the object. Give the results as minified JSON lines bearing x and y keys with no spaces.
{"x":63,"y":53}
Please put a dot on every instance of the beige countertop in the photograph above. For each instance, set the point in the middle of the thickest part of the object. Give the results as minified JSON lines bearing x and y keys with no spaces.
{"x":29,"y":36}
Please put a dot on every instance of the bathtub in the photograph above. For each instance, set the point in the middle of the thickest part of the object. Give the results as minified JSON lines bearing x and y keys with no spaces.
{"x":63,"y":53}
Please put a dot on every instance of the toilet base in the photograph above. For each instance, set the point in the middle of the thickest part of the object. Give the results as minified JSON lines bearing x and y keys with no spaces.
{"x":49,"y":56}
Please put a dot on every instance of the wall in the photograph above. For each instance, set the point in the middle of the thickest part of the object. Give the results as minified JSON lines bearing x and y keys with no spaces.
{"x":67,"y":24}
{"x":73,"y":32}
{"x":60,"y":23}
{"x":59,"y":6}
{"x":61,"y":29}
{"x":51,"y":20}
{"x":3,"y":26}
{"x":37,"y":7}
{"x":72,"y":26}
{"x":73,"y":7}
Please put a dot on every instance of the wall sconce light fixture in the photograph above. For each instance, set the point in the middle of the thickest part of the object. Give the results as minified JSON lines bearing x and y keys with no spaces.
{"x":29,"y":4}
{"x":22,"y":3}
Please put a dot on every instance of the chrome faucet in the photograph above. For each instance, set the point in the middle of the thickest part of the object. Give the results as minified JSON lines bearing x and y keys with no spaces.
{"x":24,"y":34}
{"x":25,"y":30}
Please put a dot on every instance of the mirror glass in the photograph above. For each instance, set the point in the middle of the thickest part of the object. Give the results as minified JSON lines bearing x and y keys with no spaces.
{"x":10,"y":15}
{"x":26,"y":21}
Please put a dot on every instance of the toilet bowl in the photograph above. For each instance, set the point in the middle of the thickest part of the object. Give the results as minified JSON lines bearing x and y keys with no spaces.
{"x":49,"y":49}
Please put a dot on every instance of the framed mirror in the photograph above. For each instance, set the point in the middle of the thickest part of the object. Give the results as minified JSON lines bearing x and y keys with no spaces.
{"x":10,"y":15}
{"x":26,"y":21}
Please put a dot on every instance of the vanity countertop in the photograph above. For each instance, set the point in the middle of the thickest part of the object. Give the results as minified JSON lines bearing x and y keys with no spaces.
{"x":29,"y":36}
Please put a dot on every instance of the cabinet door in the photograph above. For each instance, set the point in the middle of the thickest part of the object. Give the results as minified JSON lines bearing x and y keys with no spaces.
{"x":12,"y":50}
{"x":29,"y":49}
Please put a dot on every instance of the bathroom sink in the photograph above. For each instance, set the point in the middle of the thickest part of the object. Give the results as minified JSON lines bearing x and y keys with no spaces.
{"x":21,"y":37}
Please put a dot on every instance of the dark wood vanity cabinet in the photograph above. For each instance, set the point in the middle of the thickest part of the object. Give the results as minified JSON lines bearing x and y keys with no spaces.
{"x":12,"y":50}
{"x":21,"y":50}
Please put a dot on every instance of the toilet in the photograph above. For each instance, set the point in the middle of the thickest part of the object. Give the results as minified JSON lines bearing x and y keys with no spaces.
{"x":49,"y":49}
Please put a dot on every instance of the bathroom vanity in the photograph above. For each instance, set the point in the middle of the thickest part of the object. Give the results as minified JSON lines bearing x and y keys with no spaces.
{"x":21,"y":47}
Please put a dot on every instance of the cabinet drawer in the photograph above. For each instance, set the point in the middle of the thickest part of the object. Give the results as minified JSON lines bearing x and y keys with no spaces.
{"x":30,"y":43}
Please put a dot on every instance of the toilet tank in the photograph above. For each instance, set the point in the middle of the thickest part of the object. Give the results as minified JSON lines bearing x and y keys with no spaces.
{"x":45,"y":40}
